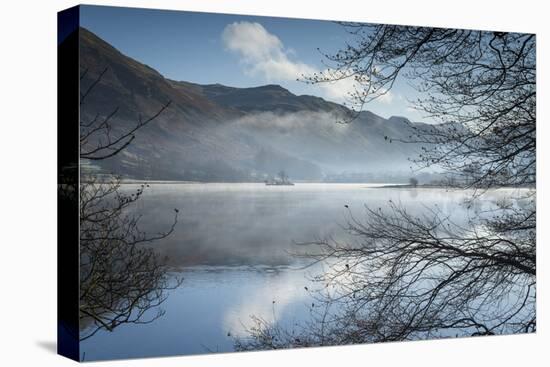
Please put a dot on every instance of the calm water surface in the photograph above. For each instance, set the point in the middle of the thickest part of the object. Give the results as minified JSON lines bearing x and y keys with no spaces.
{"x":233,"y":245}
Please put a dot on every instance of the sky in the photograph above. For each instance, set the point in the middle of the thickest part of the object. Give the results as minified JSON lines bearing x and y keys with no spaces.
{"x":236,"y":50}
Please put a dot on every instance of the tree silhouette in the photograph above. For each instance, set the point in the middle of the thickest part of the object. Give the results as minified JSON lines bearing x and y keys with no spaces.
{"x":424,"y":276}
{"x":97,"y":139}
{"x":122,"y":279}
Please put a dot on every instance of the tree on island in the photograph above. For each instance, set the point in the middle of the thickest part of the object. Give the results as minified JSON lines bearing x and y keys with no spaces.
{"x":283,"y":177}
{"x":424,"y":276}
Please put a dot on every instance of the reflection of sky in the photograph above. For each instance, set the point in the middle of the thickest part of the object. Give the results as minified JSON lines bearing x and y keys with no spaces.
{"x":278,"y":300}
{"x":201,"y":313}
{"x":253,"y":225}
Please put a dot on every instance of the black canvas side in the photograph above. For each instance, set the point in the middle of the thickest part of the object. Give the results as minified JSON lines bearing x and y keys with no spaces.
{"x":68,"y":181}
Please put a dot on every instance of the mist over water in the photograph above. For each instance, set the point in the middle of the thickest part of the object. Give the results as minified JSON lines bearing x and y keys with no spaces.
{"x":233,"y":245}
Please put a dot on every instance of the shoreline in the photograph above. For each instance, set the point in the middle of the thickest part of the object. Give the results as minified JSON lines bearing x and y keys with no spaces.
{"x":372,"y":185}
{"x":433,"y":186}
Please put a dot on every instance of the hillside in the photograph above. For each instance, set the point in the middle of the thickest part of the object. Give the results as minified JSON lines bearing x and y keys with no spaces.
{"x":221,"y":133}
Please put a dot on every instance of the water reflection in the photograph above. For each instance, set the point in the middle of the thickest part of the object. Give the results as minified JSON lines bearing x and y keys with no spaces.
{"x":248,"y":224}
{"x":120,"y":278}
{"x":232,"y":244}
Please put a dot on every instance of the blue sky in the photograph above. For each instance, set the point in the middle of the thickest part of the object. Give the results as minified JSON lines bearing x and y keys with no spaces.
{"x":234,"y":50}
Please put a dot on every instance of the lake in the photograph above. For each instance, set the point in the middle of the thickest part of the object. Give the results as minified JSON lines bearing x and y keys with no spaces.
{"x":234,"y":243}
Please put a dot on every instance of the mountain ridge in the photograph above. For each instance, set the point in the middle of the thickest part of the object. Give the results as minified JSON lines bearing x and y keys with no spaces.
{"x":215,"y":132}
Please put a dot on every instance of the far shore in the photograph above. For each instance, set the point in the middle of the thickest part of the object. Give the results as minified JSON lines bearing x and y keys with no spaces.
{"x":375,"y":185}
{"x":438,"y":186}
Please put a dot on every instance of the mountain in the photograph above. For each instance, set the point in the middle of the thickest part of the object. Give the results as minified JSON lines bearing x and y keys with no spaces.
{"x":221,"y":133}
{"x":272,"y":98}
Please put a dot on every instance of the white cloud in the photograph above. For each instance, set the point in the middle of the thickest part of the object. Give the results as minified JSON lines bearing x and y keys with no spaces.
{"x":338,"y":90}
{"x":386,"y":97}
{"x":264,"y":54}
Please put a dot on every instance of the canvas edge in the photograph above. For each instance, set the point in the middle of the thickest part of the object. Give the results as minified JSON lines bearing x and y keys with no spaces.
{"x":68,"y":22}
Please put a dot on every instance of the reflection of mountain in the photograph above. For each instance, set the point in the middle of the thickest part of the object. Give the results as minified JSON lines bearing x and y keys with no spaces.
{"x":220,"y":133}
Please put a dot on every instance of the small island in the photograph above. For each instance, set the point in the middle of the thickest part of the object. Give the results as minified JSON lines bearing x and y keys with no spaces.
{"x":280,"y":180}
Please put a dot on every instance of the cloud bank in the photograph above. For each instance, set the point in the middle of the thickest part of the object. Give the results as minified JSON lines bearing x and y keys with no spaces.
{"x":294,"y":121}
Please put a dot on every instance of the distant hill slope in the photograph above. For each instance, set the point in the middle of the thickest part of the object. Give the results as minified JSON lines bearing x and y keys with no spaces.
{"x":272,"y":98}
{"x":221,"y":133}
